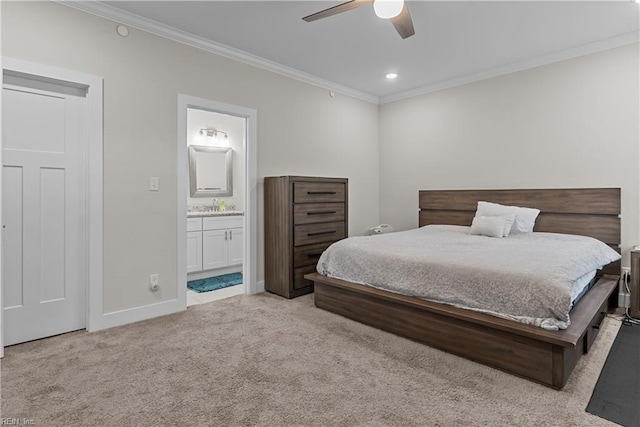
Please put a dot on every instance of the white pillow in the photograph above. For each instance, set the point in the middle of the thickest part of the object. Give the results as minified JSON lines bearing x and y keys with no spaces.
{"x":492,"y":226}
{"x":525,"y":217}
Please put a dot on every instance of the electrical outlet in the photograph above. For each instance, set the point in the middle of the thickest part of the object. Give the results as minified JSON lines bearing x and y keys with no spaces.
{"x":154,"y":282}
{"x":625,"y":279}
{"x":624,"y":300}
{"x":622,"y":297}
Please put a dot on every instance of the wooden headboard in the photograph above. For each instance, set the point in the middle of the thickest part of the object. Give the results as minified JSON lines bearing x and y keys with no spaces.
{"x":593,"y":212}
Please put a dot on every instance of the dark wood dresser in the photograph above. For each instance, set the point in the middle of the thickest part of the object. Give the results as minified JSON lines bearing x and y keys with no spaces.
{"x":302,"y":216}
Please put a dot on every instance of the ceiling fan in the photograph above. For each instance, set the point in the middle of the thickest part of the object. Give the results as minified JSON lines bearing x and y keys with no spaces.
{"x":396,"y":10}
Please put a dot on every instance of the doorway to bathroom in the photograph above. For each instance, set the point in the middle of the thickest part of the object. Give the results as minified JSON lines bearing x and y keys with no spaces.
{"x":215,"y":205}
{"x":216,"y":198}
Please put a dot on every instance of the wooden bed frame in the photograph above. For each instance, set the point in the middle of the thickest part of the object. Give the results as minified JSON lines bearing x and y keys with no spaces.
{"x":546,"y":357}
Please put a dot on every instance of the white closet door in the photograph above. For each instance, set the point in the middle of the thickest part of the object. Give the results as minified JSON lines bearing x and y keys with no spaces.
{"x":43,"y":205}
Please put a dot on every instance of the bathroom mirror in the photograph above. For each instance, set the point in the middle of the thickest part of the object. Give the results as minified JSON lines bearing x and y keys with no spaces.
{"x":210,"y":171}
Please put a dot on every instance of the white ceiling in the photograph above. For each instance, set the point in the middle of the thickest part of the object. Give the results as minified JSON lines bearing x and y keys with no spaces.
{"x":454,"y":40}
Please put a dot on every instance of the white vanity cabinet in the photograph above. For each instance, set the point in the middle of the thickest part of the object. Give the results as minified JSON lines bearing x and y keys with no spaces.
{"x":221,"y":237}
{"x":194,"y":244}
{"x":236,"y":246}
{"x":220,"y":243}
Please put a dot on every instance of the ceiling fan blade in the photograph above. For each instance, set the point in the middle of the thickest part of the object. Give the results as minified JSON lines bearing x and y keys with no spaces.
{"x":403,"y":23}
{"x":352,"y":4}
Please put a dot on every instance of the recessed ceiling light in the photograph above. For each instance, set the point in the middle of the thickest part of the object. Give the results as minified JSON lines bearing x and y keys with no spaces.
{"x":391,"y":76}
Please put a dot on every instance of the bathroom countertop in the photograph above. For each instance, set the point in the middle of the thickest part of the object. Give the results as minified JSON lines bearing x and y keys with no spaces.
{"x":196,"y":214}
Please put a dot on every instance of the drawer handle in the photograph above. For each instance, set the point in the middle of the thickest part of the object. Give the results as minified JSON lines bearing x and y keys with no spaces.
{"x":314,"y":255}
{"x":320,"y":233}
{"x":321,"y":192}
{"x":321,"y":213}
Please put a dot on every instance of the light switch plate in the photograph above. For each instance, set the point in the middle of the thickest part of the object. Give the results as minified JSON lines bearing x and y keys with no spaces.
{"x":154,"y":183}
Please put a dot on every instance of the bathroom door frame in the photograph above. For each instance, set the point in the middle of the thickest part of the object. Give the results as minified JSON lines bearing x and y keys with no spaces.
{"x":249,"y":265}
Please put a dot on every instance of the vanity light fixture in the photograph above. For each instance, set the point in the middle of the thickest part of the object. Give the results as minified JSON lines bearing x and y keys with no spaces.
{"x":213,"y":132}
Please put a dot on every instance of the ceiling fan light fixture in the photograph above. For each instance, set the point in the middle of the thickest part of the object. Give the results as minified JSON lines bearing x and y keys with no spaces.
{"x":387,"y":9}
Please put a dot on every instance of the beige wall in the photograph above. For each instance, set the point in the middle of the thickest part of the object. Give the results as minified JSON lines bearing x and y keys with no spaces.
{"x":301,"y":130}
{"x":569,"y":124}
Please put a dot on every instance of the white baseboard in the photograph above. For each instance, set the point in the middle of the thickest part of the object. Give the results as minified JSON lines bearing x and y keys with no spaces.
{"x":136,"y":314}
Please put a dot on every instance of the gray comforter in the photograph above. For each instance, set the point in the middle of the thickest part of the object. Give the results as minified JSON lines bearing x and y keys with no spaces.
{"x":525,"y":277}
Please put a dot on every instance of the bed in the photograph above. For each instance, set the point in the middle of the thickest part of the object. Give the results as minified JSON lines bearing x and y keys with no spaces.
{"x":544,"y":356}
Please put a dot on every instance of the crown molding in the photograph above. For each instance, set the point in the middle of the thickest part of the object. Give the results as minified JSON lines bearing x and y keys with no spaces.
{"x":105,"y":11}
{"x":123,"y":17}
{"x":586,"y":49}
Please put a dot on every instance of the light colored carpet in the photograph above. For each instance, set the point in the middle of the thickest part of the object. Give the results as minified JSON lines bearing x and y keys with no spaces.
{"x":264,"y":360}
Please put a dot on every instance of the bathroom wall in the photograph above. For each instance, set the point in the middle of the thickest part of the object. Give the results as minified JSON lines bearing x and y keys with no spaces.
{"x":235,"y":128}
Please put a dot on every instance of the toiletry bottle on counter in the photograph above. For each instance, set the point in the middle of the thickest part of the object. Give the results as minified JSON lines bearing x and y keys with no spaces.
{"x":223,"y":205}
{"x":215,"y":205}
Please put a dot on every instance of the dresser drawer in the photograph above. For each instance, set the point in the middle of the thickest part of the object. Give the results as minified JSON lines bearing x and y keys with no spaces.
{"x":308,"y":255}
{"x":310,"y":213}
{"x":318,"y":233}
{"x":318,"y":192}
{"x":299,"y":281}
{"x":594,"y":326}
